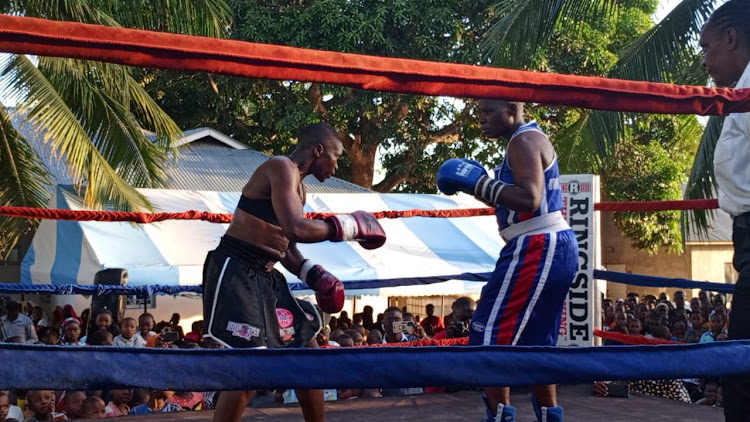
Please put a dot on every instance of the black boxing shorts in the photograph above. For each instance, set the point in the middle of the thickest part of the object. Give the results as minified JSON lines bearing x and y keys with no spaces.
{"x":247,"y":303}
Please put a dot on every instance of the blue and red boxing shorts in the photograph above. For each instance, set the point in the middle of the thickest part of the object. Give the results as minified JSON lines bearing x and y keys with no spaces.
{"x":522,"y":302}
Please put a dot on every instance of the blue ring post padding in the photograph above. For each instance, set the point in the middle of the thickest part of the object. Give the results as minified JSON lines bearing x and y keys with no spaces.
{"x":651,"y":281}
{"x":93,"y":368}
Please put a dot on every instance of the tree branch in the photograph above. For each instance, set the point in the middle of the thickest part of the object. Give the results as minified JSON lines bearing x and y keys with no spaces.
{"x":212,"y":82}
{"x":450,"y":132}
{"x":339,"y":101}
{"x":392,"y":179}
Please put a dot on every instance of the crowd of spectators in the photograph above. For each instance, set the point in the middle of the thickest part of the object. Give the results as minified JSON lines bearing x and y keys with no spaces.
{"x":28,"y":324}
{"x":703,"y":319}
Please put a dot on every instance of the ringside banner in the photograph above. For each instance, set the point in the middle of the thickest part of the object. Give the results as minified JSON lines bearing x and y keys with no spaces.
{"x":582,"y":307}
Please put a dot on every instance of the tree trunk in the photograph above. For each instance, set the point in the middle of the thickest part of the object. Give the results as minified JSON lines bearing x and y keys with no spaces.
{"x":362,"y":157}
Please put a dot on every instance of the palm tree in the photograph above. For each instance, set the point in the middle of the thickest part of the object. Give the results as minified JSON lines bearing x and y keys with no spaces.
{"x":95,"y":115}
{"x":665,"y":53}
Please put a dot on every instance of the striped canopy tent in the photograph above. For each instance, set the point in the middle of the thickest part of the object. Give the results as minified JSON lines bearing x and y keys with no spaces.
{"x":423,"y":256}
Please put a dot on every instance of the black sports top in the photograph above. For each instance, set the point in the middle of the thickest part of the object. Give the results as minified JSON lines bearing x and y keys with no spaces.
{"x":261,"y":208}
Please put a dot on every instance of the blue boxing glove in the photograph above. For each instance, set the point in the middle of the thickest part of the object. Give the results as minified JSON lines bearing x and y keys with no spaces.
{"x":464,"y":175}
{"x":459,"y":175}
{"x":475,"y":162}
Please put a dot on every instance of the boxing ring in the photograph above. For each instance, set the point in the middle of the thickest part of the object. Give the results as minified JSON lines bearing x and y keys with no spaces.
{"x":237,"y":369}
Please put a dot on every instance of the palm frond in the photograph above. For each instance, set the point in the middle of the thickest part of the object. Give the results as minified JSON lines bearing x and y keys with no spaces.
{"x":62,"y":10}
{"x":151,"y":116}
{"x":702,"y":183}
{"x":667,"y":47}
{"x":573,"y":146}
{"x":24,"y":183}
{"x":85,"y":86}
{"x":523,"y":25}
{"x":45,"y":108}
{"x":209,"y":18}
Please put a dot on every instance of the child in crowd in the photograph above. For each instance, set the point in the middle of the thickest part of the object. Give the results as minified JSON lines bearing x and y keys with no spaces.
{"x":73,"y":404}
{"x":196,"y":335}
{"x":356,"y":337}
{"x":187,"y":400}
{"x":119,"y":404}
{"x":100,"y":338}
{"x":103,"y":321}
{"x":710,"y":393}
{"x":374,"y":337}
{"x":157,"y":403}
{"x":145,"y":327}
{"x":139,"y":396}
{"x":695,"y":331}
{"x":41,"y":403}
{"x":94,"y":408}
{"x":8,"y":412}
{"x":717,"y":322}
{"x":678,"y":331}
{"x":71,"y":329}
{"x":345,"y":340}
{"x":48,"y":335}
{"x":128,"y":337}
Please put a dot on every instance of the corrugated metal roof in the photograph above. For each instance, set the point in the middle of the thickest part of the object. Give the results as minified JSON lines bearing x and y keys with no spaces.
{"x":49,"y":157}
{"x":209,"y":165}
{"x":203,"y":164}
{"x":719,"y":229}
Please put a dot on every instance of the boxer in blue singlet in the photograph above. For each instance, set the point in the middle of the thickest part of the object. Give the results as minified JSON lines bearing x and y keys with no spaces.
{"x":522,"y":302}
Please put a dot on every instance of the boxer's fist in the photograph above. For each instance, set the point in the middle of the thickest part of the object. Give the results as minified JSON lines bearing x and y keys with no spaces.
{"x":329,"y":290}
{"x":475,"y":163}
{"x":360,"y":226}
{"x":459,"y":175}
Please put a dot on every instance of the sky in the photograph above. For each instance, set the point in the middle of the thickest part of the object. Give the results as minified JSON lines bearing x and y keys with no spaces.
{"x":665,"y":6}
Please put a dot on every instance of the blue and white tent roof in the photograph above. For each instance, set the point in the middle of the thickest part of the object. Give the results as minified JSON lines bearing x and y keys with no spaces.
{"x":419,"y":251}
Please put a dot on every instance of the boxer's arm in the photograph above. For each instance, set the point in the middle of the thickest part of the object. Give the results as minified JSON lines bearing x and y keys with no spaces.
{"x":284,"y":181}
{"x":293,"y":259}
{"x":525,"y":157}
{"x":329,"y":291}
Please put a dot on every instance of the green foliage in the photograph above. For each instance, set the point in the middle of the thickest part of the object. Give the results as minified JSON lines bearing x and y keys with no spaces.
{"x":643,"y":172}
{"x":621,"y":42}
{"x":93,"y":114}
{"x":408,"y":131}
{"x":411,"y":135}
{"x":23,"y":182}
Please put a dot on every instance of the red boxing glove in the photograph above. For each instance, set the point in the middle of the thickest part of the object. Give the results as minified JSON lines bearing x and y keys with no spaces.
{"x":360,"y":226}
{"x":329,"y":290}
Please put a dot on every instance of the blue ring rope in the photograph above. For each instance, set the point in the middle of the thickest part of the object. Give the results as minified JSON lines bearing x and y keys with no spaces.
{"x":367,"y":367}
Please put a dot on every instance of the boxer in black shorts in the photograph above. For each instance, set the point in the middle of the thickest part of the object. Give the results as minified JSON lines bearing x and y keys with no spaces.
{"x":247,"y":303}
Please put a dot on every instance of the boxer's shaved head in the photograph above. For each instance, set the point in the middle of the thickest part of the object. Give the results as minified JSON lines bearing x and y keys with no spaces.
{"x":318,"y":133}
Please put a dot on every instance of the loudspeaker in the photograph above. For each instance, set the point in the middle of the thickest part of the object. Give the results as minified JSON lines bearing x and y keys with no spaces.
{"x":115,"y":303}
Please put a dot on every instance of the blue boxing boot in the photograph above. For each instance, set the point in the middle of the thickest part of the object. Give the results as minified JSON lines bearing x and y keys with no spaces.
{"x":546,"y":414}
{"x":505,"y":412}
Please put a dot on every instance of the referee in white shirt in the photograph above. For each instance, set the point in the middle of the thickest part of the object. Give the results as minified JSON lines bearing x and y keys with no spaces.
{"x":725,"y":41}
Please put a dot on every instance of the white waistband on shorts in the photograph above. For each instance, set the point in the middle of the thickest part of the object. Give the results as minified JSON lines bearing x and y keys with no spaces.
{"x":546,"y":223}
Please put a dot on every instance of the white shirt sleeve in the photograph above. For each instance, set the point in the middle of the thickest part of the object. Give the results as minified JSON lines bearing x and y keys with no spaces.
{"x":731,"y":156}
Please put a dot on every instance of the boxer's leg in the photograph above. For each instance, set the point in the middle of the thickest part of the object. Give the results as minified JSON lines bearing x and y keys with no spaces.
{"x":231,"y":404}
{"x":311,"y":401}
{"x":498,"y":412}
